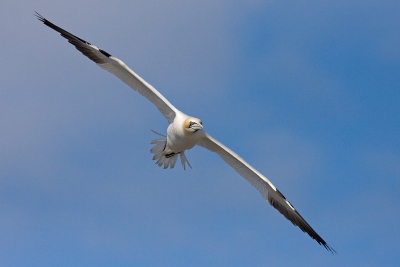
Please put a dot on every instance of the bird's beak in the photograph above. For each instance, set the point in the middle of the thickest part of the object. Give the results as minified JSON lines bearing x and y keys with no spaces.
{"x":196,"y":126}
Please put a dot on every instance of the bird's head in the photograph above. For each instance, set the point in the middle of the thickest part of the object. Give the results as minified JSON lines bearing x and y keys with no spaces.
{"x":192,"y":125}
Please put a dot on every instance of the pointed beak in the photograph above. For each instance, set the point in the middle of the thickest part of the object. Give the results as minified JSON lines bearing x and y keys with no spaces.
{"x":196,"y":126}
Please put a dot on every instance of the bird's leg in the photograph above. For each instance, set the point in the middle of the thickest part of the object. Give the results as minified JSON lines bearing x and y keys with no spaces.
{"x":170,"y":155}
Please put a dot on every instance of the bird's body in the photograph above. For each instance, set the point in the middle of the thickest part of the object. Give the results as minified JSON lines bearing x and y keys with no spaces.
{"x":179,"y":138}
{"x":184,"y":132}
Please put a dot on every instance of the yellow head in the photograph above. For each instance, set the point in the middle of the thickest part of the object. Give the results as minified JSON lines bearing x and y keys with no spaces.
{"x":192,"y":125}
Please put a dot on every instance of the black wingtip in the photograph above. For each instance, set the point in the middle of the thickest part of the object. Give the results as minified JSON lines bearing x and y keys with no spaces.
{"x":39,"y":17}
{"x":83,"y":46}
{"x":329,"y":248}
{"x":294,"y":216}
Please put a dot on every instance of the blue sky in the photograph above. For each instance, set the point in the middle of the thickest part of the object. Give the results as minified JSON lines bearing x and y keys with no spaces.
{"x":307,"y":93}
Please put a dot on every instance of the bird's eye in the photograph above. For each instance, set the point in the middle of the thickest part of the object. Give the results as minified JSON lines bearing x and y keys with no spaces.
{"x":201,"y":122}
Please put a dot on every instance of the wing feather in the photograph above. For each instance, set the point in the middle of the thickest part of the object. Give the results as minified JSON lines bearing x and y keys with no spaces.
{"x":263,"y":185}
{"x":118,"y":68}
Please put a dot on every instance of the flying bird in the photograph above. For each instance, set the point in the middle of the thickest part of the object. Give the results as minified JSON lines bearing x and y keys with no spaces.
{"x":184,"y":132}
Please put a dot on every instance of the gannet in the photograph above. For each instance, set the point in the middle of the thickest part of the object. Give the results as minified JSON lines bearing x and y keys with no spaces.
{"x":184,"y":132}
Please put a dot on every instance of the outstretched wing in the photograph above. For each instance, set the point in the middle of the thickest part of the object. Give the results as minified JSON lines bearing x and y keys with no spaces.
{"x":118,"y":68}
{"x":266,"y":188}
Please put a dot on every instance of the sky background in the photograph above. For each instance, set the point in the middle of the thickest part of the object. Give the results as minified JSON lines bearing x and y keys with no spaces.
{"x":307,"y":93}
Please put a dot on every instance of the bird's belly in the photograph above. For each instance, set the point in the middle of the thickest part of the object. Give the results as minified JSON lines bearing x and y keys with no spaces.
{"x":177,"y":144}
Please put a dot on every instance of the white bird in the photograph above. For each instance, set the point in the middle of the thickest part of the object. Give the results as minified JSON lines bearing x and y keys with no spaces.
{"x":184,"y":132}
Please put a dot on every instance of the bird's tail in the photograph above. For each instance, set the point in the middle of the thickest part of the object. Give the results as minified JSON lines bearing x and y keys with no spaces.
{"x":166,"y":160}
{"x":158,"y":151}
